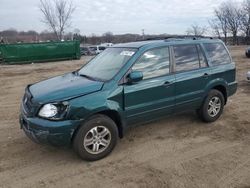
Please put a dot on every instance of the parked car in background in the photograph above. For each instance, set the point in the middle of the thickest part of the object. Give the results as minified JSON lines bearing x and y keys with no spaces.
{"x":86,"y":51}
{"x":106,"y":44}
{"x":248,"y":75}
{"x":97,"y":49}
{"x":248,"y":52}
{"x":128,"y":84}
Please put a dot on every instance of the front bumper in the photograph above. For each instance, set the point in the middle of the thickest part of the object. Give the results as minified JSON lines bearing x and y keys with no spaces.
{"x":58,"y":133}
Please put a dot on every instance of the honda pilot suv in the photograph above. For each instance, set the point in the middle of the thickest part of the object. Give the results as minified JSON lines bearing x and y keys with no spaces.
{"x":128,"y":84}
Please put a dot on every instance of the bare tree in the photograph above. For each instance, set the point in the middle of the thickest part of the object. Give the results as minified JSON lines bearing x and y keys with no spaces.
{"x":108,"y":37}
{"x":233,"y":13}
{"x":215,"y":26}
{"x":221,"y":21}
{"x":245,"y":20}
{"x":57,"y":15}
{"x":196,"y":30}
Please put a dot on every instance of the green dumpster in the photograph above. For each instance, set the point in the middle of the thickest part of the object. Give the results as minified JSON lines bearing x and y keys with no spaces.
{"x":39,"y":52}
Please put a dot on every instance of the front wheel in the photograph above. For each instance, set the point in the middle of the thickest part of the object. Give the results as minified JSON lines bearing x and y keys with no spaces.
{"x":212,"y":107}
{"x":96,"y":138}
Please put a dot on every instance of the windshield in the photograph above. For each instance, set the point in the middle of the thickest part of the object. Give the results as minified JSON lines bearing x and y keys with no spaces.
{"x":107,"y":64}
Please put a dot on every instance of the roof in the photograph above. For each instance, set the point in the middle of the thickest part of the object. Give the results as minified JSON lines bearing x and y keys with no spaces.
{"x":161,"y":42}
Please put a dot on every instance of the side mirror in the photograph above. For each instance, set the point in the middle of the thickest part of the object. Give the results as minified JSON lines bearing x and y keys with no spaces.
{"x":135,"y":76}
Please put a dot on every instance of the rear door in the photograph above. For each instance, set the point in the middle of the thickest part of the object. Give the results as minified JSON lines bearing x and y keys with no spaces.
{"x":154,"y":95}
{"x":192,"y":75}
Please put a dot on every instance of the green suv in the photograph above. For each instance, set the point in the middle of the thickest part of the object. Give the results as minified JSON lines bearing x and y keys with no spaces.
{"x":128,"y":84}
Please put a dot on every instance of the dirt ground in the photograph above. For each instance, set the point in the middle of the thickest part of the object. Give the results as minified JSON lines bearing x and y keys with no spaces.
{"x":179,"y":151}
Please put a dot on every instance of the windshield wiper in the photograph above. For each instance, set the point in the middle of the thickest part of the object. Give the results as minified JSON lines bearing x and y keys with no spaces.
{"x":87,"y":76}
{"x":91,"y":78}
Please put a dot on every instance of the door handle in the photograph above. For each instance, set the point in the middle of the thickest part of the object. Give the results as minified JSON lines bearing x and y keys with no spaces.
{"x":168,"y":84}
{"x":206,"y":75}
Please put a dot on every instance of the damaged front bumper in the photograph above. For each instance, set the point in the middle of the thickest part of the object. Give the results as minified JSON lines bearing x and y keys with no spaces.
{"x":58,"y":133}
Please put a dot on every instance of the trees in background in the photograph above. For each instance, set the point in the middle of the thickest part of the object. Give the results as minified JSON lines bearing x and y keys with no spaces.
{"x":220,"y":23}
{"x":196,"y":30}
{"x":57,"y":15}
{"x":108,"y":37}
{"x":216,"y":28}
{"x":245,"y":20}
{"x":231,"y":18}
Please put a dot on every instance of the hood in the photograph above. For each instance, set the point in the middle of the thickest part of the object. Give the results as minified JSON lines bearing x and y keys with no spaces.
{"x":63,"y":87}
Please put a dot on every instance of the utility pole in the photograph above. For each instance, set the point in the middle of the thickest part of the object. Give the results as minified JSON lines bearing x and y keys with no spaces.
{"x":143,"y":34}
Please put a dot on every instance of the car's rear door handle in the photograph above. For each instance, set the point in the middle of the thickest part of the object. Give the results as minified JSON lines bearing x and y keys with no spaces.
{"x":205,"y":75}
{"x":168,"y":84}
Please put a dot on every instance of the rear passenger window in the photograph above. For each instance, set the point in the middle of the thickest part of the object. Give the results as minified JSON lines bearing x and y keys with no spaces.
{"x":217,"y":53}
{"x":153,"y":63}
{"x":186,"y":58}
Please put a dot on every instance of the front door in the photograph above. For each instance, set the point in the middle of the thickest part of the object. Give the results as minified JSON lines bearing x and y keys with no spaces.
{"x":154,"y":95}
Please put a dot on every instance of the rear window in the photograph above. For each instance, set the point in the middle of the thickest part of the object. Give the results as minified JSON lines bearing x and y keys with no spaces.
{"x":217,"y":53}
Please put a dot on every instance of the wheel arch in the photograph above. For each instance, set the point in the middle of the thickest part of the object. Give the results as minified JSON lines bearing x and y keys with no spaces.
{"x":220,"y":85}
{"x":223,"y":90}
{"x":115,"y":116}
{"x":112,"y":114}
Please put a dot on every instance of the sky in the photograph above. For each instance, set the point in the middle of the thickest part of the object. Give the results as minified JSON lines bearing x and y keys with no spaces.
{"x":117,"y":16}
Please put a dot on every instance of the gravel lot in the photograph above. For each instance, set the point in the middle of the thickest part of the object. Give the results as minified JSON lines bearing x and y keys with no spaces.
{"x":179,"y":151}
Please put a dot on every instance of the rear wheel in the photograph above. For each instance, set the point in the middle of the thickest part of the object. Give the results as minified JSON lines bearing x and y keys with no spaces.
{"x":212,"y":107}
{"x":96,"y":138}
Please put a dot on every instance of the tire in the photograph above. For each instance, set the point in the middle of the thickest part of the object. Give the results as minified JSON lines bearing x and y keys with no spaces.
{"x":212,"y":106}
{"x":96,"y":138}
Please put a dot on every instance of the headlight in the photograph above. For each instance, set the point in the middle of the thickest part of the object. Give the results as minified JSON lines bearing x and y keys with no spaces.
{"x":48,"y":111}
{"x":53,"y":111}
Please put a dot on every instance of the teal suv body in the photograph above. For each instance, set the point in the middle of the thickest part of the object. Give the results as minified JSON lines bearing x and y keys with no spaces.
{"x":128,"y":84}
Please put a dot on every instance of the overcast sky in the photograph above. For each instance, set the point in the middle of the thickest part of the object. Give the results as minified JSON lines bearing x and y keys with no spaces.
{"x":117,"y":16}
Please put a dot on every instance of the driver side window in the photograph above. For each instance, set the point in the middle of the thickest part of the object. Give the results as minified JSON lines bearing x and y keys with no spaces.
{"x":153,"y":63}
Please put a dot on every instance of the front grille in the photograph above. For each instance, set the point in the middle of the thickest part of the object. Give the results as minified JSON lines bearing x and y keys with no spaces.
{"x":27,"y":103}
{"x":29,"y":106}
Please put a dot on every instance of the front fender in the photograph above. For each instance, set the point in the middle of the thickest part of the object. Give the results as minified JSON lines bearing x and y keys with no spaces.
{"x":104,"y":102}
{"x":83,"y":107}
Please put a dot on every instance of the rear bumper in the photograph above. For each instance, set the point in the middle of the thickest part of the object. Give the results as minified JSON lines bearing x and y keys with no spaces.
{"x":57,"y":133}
{"x":232,"y":88}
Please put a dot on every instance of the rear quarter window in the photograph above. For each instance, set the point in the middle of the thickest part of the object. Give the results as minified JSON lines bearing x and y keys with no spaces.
{"x":217,"y":53}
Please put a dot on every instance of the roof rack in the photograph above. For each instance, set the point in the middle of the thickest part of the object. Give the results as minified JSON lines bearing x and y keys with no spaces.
{"x":176,"y":38}
{"x":180,"y":38}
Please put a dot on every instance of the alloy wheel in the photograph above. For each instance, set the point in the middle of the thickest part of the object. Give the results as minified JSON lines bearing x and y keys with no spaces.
{"x":214,"y":106}
{"x":97,"y":140}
